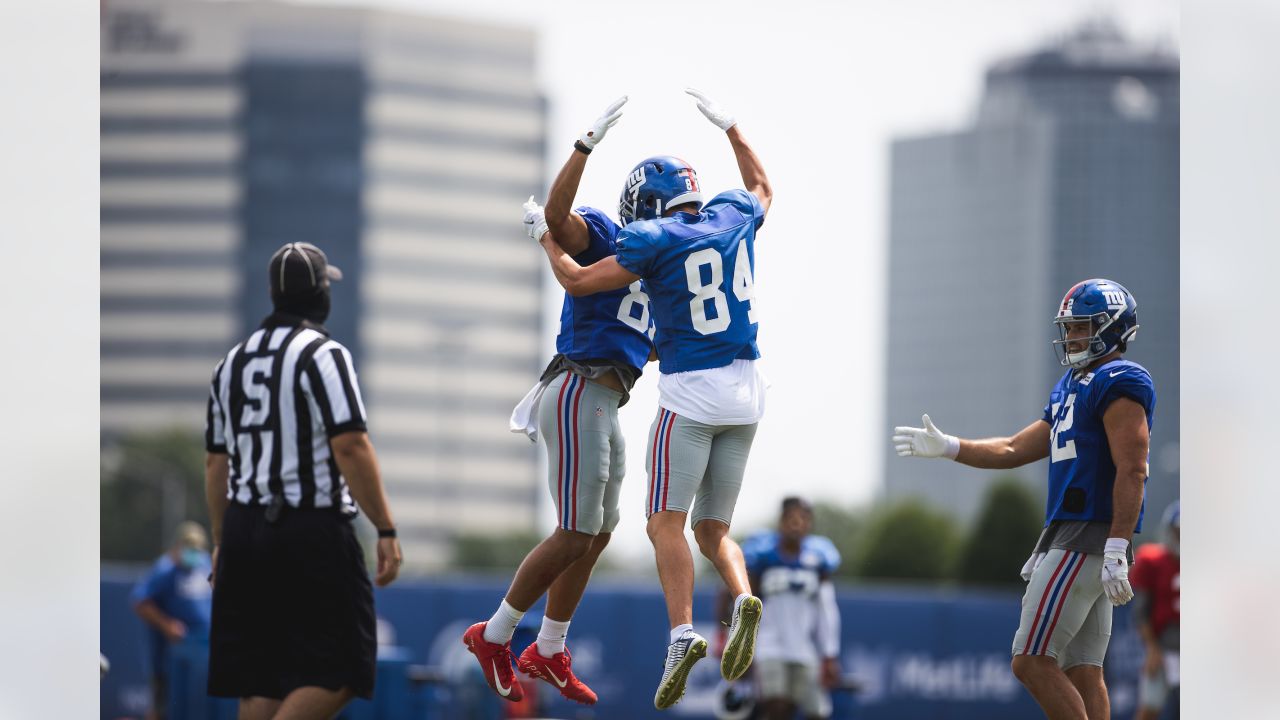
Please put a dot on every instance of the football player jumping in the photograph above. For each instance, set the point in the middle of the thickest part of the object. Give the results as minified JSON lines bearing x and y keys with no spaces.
{"x":1096,"y":433}
{"x":698,"y":263}
{"x":602,"y":346}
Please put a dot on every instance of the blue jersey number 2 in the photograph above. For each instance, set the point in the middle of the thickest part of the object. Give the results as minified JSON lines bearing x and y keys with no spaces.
{"x":1067,"y":450}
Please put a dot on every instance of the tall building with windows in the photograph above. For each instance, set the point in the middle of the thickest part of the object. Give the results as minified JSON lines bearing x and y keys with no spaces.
{"x":403,"y":146}
{"x":1069,"y":172}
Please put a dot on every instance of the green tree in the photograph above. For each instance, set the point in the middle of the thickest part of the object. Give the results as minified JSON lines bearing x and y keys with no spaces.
{"x":906,"y":541}
{"x":149,"y":484}
{"x":1003,"y":536}
{"x":493,"y":552}
{"x":844,"y":528}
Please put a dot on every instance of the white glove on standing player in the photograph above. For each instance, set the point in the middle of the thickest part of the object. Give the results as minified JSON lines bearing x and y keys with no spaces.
{"x":1029,"y":568}
{"x":596,"y":132}
{"x":716,"y":114}
{"x":535,"y":221}
{"x":928,"y":441}
{"x":1115,"y":571}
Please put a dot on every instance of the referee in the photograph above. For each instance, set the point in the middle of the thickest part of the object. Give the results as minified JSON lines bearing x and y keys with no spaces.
{"x":292,"y":631}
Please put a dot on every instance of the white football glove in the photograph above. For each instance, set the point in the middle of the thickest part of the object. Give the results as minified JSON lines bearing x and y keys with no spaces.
{"x":1029,"y":568}
{"x":716,"y":114}
{"x":596,"y":132}
{"x":1115,"y":571}
{"x":535,"y":221}
{"x":928,"y":441}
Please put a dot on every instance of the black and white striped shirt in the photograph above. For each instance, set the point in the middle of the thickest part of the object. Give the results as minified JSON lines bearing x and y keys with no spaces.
{"x":274,"y":402}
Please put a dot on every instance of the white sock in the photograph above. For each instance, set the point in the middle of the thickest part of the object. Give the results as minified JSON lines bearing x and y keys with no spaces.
{"x":503,"y":624}
{"x":551,"y":637}
{"x":678,"y":631}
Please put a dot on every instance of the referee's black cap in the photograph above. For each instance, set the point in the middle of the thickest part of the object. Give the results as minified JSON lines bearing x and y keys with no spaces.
{"x":300,"y":270}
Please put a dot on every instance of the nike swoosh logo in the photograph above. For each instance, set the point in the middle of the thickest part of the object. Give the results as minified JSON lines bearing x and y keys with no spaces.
{"x":1116,"y":373}
{"x":557,"y":680}
{"x":503,"y":691}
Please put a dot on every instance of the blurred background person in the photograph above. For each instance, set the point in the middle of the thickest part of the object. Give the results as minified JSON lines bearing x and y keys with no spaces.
{"x":1156,"y":592}
{"x":797,"y":653}
{"x":174,"y":600}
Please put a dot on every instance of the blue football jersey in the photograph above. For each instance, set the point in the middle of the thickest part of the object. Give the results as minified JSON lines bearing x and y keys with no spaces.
{"x":1081,"y":471}
{"x":612,"y":325}
{"x":699,"y":271}
{"x":781,"y":574}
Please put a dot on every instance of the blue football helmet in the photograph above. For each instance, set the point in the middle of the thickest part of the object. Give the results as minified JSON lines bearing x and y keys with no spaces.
{"x":1112,"y":312}
{"x":656,"y":185}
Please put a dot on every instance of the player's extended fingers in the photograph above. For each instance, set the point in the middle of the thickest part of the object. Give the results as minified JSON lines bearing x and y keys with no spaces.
{"x":907,"y":431}
{"x":612,"y":120}
{"x":905,"y":450}
{"x":613,"y":107}
{"x":928,"y":425}
{"x":904,"y":437}
{"x":703,"y":99}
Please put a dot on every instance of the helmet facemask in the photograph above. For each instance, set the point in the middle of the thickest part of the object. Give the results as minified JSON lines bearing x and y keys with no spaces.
{"x":629,"y":201}
{"x":1095,"y":346}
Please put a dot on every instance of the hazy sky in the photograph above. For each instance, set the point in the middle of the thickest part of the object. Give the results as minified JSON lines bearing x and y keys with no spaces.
{"x":819,"y":89}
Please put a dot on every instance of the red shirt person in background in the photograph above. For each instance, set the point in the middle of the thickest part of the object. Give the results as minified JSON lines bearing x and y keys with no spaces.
{"x":1155,"y":580}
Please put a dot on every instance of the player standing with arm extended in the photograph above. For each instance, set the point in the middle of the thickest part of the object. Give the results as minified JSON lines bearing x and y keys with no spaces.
{"x":601,"y":349}
{"x":698,"y":266}
{"x":1096,"y":433}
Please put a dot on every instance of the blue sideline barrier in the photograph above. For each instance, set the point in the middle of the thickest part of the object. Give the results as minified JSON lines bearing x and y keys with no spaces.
{"x":916,"y":653}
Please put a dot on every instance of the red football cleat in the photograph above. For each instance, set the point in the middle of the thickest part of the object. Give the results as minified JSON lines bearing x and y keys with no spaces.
{"x":495,"y":660}
{"x":556,"y":670}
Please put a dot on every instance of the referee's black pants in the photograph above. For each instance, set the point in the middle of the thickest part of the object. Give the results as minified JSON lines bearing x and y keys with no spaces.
{"x":292,"y":605}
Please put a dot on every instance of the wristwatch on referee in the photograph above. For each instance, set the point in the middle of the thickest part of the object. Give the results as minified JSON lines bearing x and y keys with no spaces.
{"x":386,"y":532}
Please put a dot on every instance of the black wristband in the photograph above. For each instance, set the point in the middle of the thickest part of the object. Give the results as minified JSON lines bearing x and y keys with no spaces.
{"x":581,"y":147}
{"x":387,"y":533}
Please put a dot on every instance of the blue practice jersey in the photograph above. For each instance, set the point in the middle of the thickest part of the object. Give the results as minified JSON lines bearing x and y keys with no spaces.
{"x":613,"y":325}
{"x":1081,"y":471}
{"x":179,"y":591}
{"x":699,"y":272}
{"x":781,"y":574}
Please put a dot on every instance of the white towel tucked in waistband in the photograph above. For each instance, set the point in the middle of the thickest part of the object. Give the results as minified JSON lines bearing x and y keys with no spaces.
{"x":524,"y":418}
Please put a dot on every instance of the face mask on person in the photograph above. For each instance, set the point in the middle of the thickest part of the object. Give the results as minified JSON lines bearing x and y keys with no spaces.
{"x":191,"y":558}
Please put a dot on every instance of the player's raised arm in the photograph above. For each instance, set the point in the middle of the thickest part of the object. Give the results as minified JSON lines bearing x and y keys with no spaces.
{"x":753,"y":177}
{"x":1029,"y":445}
{"x":577,"y":280}
{"x":567,"y":227}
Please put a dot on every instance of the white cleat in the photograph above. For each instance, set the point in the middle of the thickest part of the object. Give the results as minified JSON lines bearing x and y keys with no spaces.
{"x":681,"y":655}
